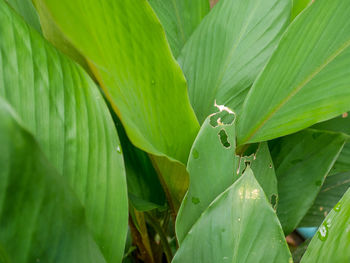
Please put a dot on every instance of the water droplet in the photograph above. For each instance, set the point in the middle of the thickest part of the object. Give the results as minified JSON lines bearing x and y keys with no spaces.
{"x":323,"y":232}
{"x":337,"y":207}
{"x":119,"y":149}
{"x":153,"y":82}
{"x":195,"y":200}
{"x":239,"y":219}
{"x":195,"y":154}
{"x":270,"y":165}
{"x":329,"y":223}
{"x":225,"y":258}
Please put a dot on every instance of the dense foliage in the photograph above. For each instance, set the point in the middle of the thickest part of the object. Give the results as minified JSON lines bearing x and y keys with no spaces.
{"x":174,"y":131}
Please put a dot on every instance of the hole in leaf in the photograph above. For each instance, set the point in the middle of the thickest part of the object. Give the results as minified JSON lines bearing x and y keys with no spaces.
{"x":221,"y":118}
{"x":273,"y":200}
{"x":195,"y":200}
{"x":224,"y":138}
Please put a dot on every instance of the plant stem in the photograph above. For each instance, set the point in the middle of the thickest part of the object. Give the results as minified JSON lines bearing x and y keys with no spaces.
{"x":157,"y":227}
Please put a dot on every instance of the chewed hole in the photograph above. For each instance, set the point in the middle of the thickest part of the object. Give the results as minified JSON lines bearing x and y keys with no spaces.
{"x":222,"y":118}
{"x":273,"y":201}
{"x":224,"y":138}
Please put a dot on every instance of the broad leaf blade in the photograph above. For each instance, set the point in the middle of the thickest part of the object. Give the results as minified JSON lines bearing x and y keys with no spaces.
{"x":213,"y":167}
{"x":179,"y":19}
{"x":63,"y":108}
{"x":240,"y":226}
{"x":41,"y":220}
{"x":307,"y":78}
{"x":228,"y":50}
{"x":331,"y":243}
{"x":302,"y":162}
{"x":135,"y":67}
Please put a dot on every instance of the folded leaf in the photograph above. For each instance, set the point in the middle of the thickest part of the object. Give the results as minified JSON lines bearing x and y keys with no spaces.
{"x":240,"y":226}
{"x":65,"y":111}
{"x":331,"y":242}
{"x":179,"y":19}
{"x":41,"y":220}
{"x":135,"y":68}
{"x":302,"y":162}
{"x":228,"y":50}
{"x":307,"y":78}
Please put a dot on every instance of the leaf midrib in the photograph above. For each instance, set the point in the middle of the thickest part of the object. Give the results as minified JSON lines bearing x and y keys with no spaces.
{"x":295,"y":91}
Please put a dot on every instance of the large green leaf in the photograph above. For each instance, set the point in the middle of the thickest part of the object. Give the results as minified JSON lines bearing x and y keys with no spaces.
{"x":240,"y":226}
{"x":229,"y":48}
{"x":179,"y":19}
{"x":331,"y":243}
{"x":26,"y":9}
{"x":63,"y":108}
{"x":41,"y":220}
{"x":135,"y":67}
{"x":302,"y":162}
{"x":213,"y":156}
{"x":307,"y":78}
{"x":331,"y":192}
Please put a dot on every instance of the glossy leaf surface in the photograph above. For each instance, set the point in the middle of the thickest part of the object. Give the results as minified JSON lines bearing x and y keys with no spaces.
{"x":135,"y":68}
{"x":63,"y":108}
{"x":179,"y":19}
{"x":302,"y":162}
{"x":331,"y":242}
{"x":307,"y":78}
{"x":41,"y":220}
{"x":228,"y":50}
{"x":240,"y":226}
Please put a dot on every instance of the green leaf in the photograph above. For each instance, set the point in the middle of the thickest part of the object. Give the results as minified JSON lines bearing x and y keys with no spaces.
{"x":228,"y":50}
{"x":135,"y":68}
{"x":299,"y":6}
{"x":307,"y":78}
{"x":302,"y":162}
{"x":331,"y":192}
{"x":240,"y":226}
{"x":213,"y":167}
{"x":63,"y":108}
{"x":179,"y":19}
{"x":41,"y":220}
{"x":331,"y":242}
{"x":26,"y":9}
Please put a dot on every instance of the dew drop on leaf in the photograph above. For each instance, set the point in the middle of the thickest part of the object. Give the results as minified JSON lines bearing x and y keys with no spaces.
{"x":119,"y":149}
{"x":195,"y":154}
{"x":337,"y":207}
{"x":323,"y":232}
